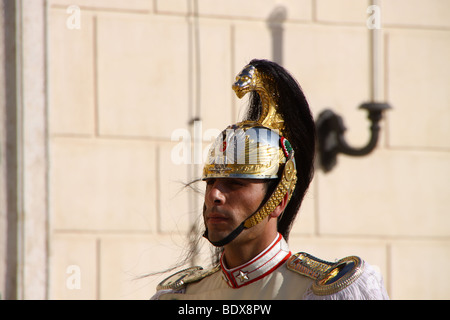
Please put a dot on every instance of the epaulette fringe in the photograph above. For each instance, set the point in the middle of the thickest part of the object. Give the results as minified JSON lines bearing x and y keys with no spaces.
{"x":329,"y":277}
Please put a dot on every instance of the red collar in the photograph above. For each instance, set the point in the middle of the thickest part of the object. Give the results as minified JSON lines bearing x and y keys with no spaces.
{"x":259,"y":267}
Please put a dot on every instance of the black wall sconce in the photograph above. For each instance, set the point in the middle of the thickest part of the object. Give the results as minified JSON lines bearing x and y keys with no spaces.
{"x":330,"y":133}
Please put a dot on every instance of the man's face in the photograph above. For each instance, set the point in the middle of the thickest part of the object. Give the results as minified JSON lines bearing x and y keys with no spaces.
{"x":228,"y":202}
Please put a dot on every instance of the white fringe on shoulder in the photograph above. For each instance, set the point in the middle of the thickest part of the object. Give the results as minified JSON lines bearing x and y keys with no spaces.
{"x":369,"y":286}
{"x":159,"y":293}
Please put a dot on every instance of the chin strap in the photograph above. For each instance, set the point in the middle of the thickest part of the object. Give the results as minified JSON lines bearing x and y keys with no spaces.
{"x":228,"y":238}
{"x":286,"y":185}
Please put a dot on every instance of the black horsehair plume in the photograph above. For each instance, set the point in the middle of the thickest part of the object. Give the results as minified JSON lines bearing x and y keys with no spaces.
{"x":299,"y":130}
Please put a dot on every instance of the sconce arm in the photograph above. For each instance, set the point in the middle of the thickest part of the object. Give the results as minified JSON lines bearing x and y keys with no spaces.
{"x":331,"y":129}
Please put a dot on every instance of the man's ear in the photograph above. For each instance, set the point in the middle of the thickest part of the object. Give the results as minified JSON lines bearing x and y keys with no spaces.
{"x":280,"y":208}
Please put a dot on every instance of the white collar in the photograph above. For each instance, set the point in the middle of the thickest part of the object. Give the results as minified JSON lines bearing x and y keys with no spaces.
{"x":260,"y":266}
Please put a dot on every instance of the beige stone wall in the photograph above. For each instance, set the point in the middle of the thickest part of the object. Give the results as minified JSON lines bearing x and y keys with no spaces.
{"x":124,"y":87}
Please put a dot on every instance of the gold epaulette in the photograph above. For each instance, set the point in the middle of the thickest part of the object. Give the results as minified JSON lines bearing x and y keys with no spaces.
{"x":329,"y":277}
{"x":182,"y":278}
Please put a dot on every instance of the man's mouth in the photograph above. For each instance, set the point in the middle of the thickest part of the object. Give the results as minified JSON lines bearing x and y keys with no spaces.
{"x":215,"y":217}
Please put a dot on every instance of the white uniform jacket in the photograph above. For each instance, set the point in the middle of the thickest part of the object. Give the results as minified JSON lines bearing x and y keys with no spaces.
{"x":277,"y":274}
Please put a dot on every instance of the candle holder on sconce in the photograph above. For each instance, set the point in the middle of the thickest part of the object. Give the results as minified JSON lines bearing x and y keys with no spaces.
{"x":330,"y":133}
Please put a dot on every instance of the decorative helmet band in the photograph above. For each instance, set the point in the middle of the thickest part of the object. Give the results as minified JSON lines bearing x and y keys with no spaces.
{"x":248,"y":151}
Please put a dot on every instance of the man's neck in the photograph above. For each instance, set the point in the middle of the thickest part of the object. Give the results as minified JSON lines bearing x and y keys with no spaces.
{"x":237,"y":253}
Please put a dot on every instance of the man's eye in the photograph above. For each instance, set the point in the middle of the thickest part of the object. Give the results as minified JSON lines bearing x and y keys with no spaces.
{"x":236,"y":183}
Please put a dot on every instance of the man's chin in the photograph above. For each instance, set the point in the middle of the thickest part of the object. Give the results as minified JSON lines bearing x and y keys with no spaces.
{"x":215,"y":237}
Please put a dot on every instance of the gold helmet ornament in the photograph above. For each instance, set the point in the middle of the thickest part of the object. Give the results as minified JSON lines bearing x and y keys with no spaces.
{"x":259,"y":147}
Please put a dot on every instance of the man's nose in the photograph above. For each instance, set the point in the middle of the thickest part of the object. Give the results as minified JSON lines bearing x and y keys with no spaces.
{"x":215,"y":194}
